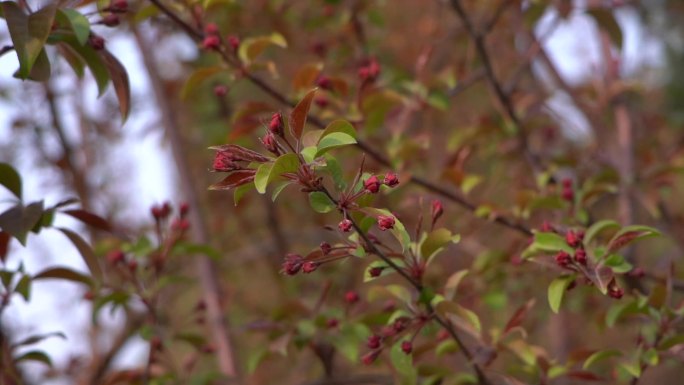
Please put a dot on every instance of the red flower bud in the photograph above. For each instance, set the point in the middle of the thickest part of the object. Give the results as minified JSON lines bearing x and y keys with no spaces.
{"x":324,"y":82}
{"x":309,"y":267}
{"x":568,"y":194}
{"x":374,"y":341}
{"x":276,"y":125}
{"x":614,"y":290}
{"x":345,"y":225}
{"x":270,"y":143}
{"x":211,"y":42}
{"x":115,"y":257}
{"x":132,"y":265}
{"x":572,"y":239}
{"x":119,"y":6}
{"x":386,"y":222}
{"x":111,"y":20}
{"x":567,"y":183}
{"x":351,"y":297}
{"x":223,"y":162}
{"x":220,"y":90}
{"x":96,"y":41}
{"x":400,"y":324}
{"x":325,"y":248}
{"x":333,"y":323}
{"x":370,"y":357}
{"x":546,"y":227}
{"x":376,"y":271}
{"x":234,"y":42}
{"x":637,"y":272}
{"x":211,"y":29}
{"x":581,"y":256}
{"x":180,"y":224}
{"x":391,"y":179}
{"x":293,"y":263}
{"x":563,"y":259}
{"x":321,"y":101}
{"x":407,"y":347}
{"x":184,"y":208}
{"x":437,"y":210}
{"x":372,"y":184}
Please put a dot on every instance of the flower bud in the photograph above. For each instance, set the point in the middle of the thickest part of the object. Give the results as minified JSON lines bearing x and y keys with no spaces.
{"x":374,"y":341}
{"x":437,"y":210}
{"x":293,"y":263}
{"x":333,"y":323}
{"x":324,"y":82}
{"x":345,"y":225}
{"x":581,"y":256}
{"x":386,"y":222}
{"x":372,"y":184}
{"x":211,"y":42}
{"x":309,"y":267}
{"x":325,"y":248}
{"x":351,"y":297}
{"x":376,"y":271}
{"x":234,"y":42}
{"x":211,"y":29}
{"x":96,"y":41}
{"x":220,"y":90}
{"x":111,"y":20}
{"x":321,"y":101}
{"x":572,"y":239}
{"x":276,"y":125}
{"x":391,"y":179}
{"x":270,"y":143}
{"x":407,"y":347}
{"x":370,"y":357}
{"x":563,"y":259}
{"x":115,"y":257}
{"x":223,"y":162}
{"x":184,"y":208}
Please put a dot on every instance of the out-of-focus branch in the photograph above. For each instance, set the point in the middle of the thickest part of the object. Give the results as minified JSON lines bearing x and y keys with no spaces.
{"x":501,"y":95}
{"x":206,"y":269}
{"x":6,"y":49}
{"x":377,"y":156}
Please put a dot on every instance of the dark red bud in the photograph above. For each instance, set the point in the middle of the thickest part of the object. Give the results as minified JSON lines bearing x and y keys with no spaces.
{"x":391,"y":179}
{"x":321,"y":102}
{"x":581,"y":256}
{"x":370,"y":357}
{"x":111,"y":20}
{"x":325,"y":248}
{"x":333,"y":323}
{"x":372,"y":184}
{"x":345,"y":225}
{"x":563,"y":259}
{"x":220,"y":90}
{"x":374,"y":341}
{"x":184,"y":209}
{"x":276,"y":125}
{"x":115,"y":257}
{"x":376,"y":271}
{"x":96,"y":41}
{"x":567,"y":183}
{"x":180,"y":224}
{"x":351,"y":297}
{"x":119,"y":6}
{"x":270,"y":143}
{"x":211,"y":29}
{"x":309,"y":267}
{"x":211,"y":42}
{"x":437,"y":210}
{"x":385,"y":222}
{"x":568,"y":194}
{"x":572,"y":239}
{"x":293,"y":263}
{"x":407,"y":347}
{"x":324,"y":82}
{"x":234,"y":42}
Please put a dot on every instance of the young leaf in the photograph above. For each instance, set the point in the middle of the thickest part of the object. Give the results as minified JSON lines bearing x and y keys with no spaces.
{"x":261,"y":177}
{"x":86,"y":252}
{"x":252,"y":47}
{"x":320,"y":202}
{"x":334,"y":140}
{"x":557,"y":290}
{"x":452,"y":283}
{"x":267,"y":172}
{"x":119,"y":77}
{"x":629,"y":234}
{"x":598,"y":227}
{"x":197,"y":77}
{"x":89,"y":219}
{"x":76,"y":21}
{"x":435,"y":242}
{"x":11,"y":179}
{"x":24,"y":287}
{"x":600,"y":356}
{"x":65,"y":274}
{"x":35,"y":355}
{"x":342,"y":126}
{"x":299,"y":115}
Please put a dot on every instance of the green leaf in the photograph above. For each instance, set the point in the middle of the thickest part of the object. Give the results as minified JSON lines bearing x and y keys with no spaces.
{"x":252,"y":47}
{"x":76,"y":21}
{"x":24,"y":287}
{"x":28,"y":33}
{"x":671,"y":342}
{"x":240,"y":192}
{"x":309,"y":153}
{"x":557,"y":290}
{"x":188,"y":248}
{"x":37,"y":338}
{"x":551,"y":242}
{"x":342,"y":126}
{"x":35,"y":355}
{"x":452,"y":283}
{"x":19,"y":220}
{"x":267,"y":172}
{"x":64,"y":274}
{"x":255,"y":358}
{"x":320,"y":202}
{"x":89,"y":56}
{"x":633,"y":368}
{"x":435,"y":242}
{"x":10,"y":179}
{"x":598,"y":227}
{"x":599,"y":356}
{"x":86,"y":252}
{"x":299,"y":114}
{"x":618,"y":264}
{"x":278,"y":189}
{"x":334,"y":140}
{"x":403,"y":364}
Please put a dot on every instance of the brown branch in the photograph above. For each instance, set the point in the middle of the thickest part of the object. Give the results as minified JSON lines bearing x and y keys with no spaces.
{"x":446,"y":324}
{"x":503,"y":97}
{"x":206,"y":269}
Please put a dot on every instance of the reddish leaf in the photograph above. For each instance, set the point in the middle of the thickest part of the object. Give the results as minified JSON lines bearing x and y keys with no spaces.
{"x":235,"y":179}
{"x":519,"y":315}
{"x":89,"y":219}
{"x":241,"y":153}
{"x":4,"y":245}
{"x":119,"y":76}
{"x":86,"y":252}
{"x":299,"y":114}
{"x":64,"y":274}
{"x":585,"y":376}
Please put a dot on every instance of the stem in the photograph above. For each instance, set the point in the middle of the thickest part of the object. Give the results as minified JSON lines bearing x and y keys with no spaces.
{"x":482,"y":379}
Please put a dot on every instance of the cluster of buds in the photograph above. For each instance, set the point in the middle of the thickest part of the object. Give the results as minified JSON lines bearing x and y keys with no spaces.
{"x":118,"y":258}
{"x":212,"y":39}
{"x":575,"y":240}
{"x":375,"y":341}
{"x":372,"y":183}
{"x":370,"y":71}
